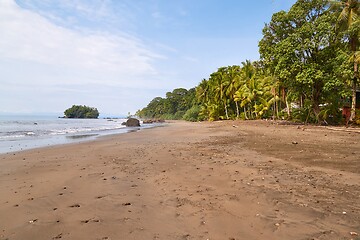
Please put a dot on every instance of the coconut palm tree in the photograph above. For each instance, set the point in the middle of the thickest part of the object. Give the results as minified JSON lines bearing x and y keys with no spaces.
{"x":220,"y":84}
{"x":244,"y":93}
{"x":202,"y":91}
{"x":273,"y":99}
{"x":234,"y":84}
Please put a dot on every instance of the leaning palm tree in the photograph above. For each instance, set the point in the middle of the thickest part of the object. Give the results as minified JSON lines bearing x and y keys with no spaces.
{"x":202,"y":91}
{"x":349,"y":23}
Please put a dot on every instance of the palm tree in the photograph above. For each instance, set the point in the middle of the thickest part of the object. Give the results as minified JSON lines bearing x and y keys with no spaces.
{"x":349,"y":22}
{"x":272,"y":84}
{"x":244,"y":94}
{"x":202,"y":91}
{"x":234,"y":83}
{"x":221,"y":83}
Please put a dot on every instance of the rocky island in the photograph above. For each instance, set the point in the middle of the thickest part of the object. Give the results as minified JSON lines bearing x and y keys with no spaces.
{"x":79,"y":111}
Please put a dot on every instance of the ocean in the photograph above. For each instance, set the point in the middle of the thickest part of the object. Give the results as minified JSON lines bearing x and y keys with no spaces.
{"x":27,"y":132}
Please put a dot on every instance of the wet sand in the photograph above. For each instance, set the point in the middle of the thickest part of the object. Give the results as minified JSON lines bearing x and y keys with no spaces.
{"x":220,"y":180}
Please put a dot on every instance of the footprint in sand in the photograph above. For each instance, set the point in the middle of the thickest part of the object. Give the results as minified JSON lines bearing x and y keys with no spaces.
{"x":58,"y":236}
{"x":90,"y":220}
{"x":75,"y":206}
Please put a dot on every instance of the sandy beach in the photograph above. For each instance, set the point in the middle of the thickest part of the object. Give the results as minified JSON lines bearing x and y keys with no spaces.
{"x":211,"y":180}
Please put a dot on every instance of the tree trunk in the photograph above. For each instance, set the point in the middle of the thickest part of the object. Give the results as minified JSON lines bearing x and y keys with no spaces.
{"x":278,"y":104}
{"x":256,"y":113}
{"x":316,"y":110}
{"x":287,"y":107}
{"x":353,"y":90}
{"x":316,"y":99}
{"x":226,"y":111}
{"x":275,"y":107}
{"x":245,"y":113}
{"x":283,"y":94}
{"x":237,"y":110}
{"x":273,"y":110}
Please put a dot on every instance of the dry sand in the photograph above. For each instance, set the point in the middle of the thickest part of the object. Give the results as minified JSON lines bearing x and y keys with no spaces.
{"x":220,"y":180}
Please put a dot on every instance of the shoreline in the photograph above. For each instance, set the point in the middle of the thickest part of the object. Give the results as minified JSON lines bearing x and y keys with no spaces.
{"x":14,"y":146}
{"x":220,"y":180}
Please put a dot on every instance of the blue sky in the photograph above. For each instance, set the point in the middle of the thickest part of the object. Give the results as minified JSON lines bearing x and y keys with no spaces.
{"x":117,"y":55}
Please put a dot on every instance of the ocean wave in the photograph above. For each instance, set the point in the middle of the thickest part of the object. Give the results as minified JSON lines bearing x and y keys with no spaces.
{"x":38,"y":130}
{"x":9,"y":137}
{"x":16,"y":134}
{"x":83,"y":129}
{"x":54,"y":132}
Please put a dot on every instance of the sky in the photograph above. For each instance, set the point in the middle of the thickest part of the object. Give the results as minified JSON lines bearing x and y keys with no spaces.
{"x":117,"y":55}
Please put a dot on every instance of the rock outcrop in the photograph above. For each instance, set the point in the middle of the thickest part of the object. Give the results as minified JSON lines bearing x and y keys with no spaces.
{"x":149,"y":121}
{"x":133,"y":122}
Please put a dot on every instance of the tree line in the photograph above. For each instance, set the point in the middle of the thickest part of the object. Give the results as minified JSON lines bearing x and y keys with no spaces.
{"x":307,"y":71}
{"x":174,"y":106}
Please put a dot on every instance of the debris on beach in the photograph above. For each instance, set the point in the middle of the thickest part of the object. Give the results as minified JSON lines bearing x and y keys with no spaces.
{"x":33,"y":221}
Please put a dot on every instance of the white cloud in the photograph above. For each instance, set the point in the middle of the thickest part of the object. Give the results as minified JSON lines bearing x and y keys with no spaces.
{"x":102,"y":57}
{"x":90,"y":9}
{"x":166,"y":48}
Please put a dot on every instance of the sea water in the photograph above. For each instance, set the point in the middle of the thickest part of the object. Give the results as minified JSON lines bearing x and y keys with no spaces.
{"x":26,"y":132}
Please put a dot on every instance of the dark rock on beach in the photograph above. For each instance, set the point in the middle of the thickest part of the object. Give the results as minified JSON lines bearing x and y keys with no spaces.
{"x":149,"y":121}
{"x":133,"y":122}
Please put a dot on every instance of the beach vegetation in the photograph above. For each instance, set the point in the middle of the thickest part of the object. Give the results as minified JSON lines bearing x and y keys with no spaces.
{"x":348,"y":27}
{"x":81,"y":111}
{"x":172,"y":107}
{"x":308,"y":68}
{"x":193,"y":114}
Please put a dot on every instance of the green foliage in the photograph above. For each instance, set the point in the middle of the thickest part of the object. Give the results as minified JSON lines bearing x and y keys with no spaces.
{"x":238,"y":92}
{"x":309,"y":61}
{"x":348,"y":29}
{"x":357,"y":118}
{"x":193,"y":114}
{"x":300,"y":46}
{"x":172,"y":107}
{"x":331,"y":114}
{"x":79,"y":111}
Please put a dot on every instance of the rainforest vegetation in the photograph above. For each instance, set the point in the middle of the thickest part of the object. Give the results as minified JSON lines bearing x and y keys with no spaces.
{"x":79,"y":111}
{"x":174,"y":106}
{"x":307,"y":71}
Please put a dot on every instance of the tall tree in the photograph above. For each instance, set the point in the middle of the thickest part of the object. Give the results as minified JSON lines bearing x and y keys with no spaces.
{"x":234,"y":84}
{"x":349,"y":23}
{"x":222,"y":83}
{"x":298,"y":47}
